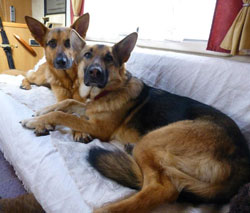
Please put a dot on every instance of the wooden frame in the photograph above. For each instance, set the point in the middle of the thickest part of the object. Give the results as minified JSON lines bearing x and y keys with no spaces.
{"x":22,"y":58}
{"x":50,"y":7}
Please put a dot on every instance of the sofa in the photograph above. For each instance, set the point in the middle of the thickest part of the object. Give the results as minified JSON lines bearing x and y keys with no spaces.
{"x":54,"y":167}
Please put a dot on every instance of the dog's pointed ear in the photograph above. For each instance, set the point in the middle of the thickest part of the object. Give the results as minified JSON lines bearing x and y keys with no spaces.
{"x":77,"y":42}
{"x":37,"y":29}
{"x":81,"y":25}
{"x":122,"y":49}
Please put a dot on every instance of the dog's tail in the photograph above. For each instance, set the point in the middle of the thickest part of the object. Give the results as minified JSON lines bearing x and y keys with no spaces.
{"x":14,"y":72}
{"x":116,"y":165}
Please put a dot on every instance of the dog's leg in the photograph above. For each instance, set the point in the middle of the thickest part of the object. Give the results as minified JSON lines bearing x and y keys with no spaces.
{"x":44,"y":123}
{"x":156,"y":190}
{"x":68,"y":105}
{"x":37,"y":78}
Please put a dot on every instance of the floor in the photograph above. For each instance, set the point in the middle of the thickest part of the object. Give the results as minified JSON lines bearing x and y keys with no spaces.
{"x":10,"y":185}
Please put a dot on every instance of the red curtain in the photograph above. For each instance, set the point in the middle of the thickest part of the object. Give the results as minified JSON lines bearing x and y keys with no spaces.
{"x":224,"y":15}
{"x":71,"y":11}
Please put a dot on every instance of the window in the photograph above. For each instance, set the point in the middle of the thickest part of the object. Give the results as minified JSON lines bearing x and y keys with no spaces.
{"x":157,"y":20}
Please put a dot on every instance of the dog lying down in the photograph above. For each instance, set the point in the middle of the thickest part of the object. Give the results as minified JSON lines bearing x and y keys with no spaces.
{"x":184,"y":149}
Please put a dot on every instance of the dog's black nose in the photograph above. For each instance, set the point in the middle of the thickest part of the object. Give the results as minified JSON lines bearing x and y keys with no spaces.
{"x":95,"y":72}
{"x":61,"y":61}
{"x":95,"y":75}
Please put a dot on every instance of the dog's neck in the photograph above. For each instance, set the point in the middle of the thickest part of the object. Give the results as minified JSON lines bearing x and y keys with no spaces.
{"x":102,"y":94}
{"x":94,"y":93}
{"x":116,"y":99}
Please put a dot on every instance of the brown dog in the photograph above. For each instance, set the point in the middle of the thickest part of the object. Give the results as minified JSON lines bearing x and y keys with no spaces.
{"x":59,"y":71}
{"x":184,"y":149}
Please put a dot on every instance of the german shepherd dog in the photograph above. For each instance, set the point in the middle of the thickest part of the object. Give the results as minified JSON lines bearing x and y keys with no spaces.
{"x":184,"y":149}
{"x":59,"y":71}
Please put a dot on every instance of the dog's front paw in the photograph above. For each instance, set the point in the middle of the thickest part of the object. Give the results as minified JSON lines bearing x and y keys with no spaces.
{"x":30,"y":123}
{"x":41,"y":128}
{"x":82,"y":137}
{"x":25,"y":84}
{"x":41,"y":131}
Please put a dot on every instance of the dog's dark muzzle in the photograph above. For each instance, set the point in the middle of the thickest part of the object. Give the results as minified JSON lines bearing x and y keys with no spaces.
{"x":62,"y":62}
{"x":95,"y":75}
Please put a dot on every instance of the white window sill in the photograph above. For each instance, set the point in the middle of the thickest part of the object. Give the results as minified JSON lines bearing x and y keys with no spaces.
{"x":189,"y":47}
{"x":196,"y":47}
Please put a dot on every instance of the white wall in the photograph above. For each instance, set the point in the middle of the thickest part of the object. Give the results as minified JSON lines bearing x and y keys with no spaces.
{"x":38,"y":9}
{"x":68,"y":22}
{"x":38,"y":13}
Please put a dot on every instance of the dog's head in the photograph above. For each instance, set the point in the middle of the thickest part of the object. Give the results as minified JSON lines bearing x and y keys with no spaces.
{"x":100,"y":65}
{"x":56,"y":42}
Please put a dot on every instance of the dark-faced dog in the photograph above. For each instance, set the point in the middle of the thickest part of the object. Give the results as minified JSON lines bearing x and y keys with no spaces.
{"x":183,"y":148}
{"x":59,"y":70}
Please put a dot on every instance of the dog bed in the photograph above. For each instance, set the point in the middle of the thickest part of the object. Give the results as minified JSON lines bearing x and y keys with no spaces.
{"x":54,"y":167}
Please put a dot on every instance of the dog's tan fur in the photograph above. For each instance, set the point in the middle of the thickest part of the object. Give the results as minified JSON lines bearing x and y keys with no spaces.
{"x":37,"y":78}
{"x":63,"y":83}
{"x":193,"y":155}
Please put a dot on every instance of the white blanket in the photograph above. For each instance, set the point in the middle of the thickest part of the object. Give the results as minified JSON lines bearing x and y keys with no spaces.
{"x":54,"y":167}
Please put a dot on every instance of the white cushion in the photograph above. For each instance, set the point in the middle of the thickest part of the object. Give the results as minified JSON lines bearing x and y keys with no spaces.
{"x":54,"y":167}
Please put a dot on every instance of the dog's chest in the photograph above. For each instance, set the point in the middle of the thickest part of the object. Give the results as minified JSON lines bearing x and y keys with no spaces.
{"x":63,"y":78}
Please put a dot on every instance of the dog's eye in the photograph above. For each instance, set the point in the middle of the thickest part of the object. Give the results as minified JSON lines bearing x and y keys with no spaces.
{"x":88,"y":55}
{"x":108,"y":58}
{"x":67,"y":43}
{"x":52,"y":43}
